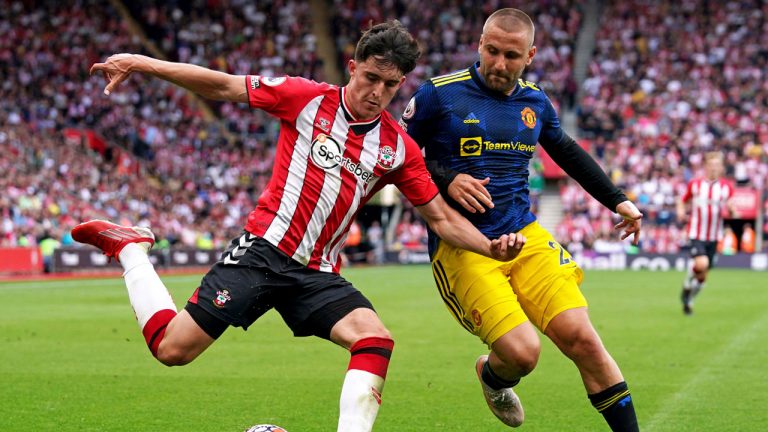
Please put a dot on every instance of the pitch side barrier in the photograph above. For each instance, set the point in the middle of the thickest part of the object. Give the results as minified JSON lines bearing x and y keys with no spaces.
{"x":89,"y":259}
{"x":22,"y":260}
{"x":86,"y":259}
{"x":623,"y":261}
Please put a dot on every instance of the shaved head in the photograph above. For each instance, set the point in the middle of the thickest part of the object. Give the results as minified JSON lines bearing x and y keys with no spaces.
{"x":511,"y":20}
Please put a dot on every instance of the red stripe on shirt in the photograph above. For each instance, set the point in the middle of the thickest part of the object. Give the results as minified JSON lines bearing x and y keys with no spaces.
{"x":261,"y":218}
{"x":313,"y":183}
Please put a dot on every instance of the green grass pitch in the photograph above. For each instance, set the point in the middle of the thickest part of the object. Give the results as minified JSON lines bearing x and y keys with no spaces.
{"x":72,"y":359}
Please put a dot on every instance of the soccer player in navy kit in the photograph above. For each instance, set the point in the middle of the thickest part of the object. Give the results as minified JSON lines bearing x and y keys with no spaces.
{"x":479,"y":127}
{"x":337,"y":147}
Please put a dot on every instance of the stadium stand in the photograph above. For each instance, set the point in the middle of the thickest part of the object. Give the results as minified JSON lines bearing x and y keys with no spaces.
{"x":667,"y":81}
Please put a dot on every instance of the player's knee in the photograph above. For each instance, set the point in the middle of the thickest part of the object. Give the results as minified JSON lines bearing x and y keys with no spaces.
{"x":527,"y":361}
{"x":522,"y":356}
{"x":173,"y":356}
{"x":700,"y":267}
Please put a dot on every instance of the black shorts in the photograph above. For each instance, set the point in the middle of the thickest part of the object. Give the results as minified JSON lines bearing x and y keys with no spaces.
{"x":701,"y":247}
{"x":253,"y":276}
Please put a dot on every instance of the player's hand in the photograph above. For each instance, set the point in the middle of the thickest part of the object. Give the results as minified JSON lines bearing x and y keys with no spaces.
{"x":508,"y":246}
{"x":470,"y":193}
{"x":116,"y":69}
{"x":631,"y":221}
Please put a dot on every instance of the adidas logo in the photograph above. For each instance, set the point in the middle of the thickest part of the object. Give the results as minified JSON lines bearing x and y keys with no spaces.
{"x":122,"y":234}
{"x":471,"y":119}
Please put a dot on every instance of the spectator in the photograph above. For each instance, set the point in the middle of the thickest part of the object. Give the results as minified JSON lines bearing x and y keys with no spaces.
{"x":729,"y":244}
{"x":747,"y":243}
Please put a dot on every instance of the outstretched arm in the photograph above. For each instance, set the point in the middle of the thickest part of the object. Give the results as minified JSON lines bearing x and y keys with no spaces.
{"x":205,"y":82}
{"x":450,"y":226}
{"x":578,"y":164}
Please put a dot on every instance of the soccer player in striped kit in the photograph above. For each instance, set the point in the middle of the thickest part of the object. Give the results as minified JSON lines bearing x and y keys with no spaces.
{"x":703,"y":205}
{"x":337,"y":148}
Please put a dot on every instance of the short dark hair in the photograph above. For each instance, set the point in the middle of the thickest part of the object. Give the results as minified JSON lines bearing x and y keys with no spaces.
{"x":390,"y":43}
{"x":511,"y":20}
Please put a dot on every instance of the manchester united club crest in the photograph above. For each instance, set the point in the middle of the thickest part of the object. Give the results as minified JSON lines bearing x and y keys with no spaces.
{"x":477,"y":318}
{"x":529,"y":117}
{"x":386,"y":158}
{"x":221,"y":298}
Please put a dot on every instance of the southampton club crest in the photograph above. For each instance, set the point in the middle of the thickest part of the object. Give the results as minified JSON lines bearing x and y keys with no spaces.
{"x":222,"y":297}
{"x":386,"y":158}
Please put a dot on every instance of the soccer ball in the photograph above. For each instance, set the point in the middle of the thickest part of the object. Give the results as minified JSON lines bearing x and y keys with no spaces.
{"x":265,"y":428}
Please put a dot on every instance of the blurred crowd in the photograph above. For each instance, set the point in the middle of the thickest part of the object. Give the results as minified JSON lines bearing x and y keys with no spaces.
{"x":668,"y":82}
{"x":149,"y":153}
{"x":448,"y":32}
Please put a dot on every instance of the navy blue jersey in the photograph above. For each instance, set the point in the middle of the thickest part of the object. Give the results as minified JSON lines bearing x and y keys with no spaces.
{"x":469,"y":128}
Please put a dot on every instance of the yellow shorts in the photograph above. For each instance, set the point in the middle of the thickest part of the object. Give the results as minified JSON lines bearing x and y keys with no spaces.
{"x":490,"y":298}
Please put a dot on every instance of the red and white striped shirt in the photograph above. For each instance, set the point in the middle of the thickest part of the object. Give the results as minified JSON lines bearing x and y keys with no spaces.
{"x":327,"y":166}
{"x":708,"y":202}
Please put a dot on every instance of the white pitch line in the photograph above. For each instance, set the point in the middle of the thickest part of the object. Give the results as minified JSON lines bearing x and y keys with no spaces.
{"x":673,"y":403}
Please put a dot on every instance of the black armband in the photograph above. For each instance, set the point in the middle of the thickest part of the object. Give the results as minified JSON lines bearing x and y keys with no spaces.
{"x":578,"y":164}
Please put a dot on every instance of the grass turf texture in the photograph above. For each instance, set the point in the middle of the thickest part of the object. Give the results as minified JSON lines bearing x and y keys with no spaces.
{"x":72,"y":359}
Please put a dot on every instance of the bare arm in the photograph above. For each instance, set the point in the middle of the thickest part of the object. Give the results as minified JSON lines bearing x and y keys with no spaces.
{"x":450,"y":226}
{"x":205,"y":82}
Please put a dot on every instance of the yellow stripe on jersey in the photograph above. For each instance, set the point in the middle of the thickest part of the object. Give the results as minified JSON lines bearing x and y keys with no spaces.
{"x":610,"y":401}
{"x":528,"y":84}
{"x":449,"y":78}
{"x":453,"y":81}
{"x":450,"y":300}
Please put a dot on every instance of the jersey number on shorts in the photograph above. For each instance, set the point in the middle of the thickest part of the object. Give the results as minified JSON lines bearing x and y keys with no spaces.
{"x":563,"y":259}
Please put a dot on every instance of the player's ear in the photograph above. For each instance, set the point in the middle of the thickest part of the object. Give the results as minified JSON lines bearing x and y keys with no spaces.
{"x":531,"y":53}
{"x":351,"y":65}
{"x":480,"y":45}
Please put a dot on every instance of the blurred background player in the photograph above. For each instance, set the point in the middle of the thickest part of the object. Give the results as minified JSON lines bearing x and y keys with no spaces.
{"x":703,"y":205}
{"x":479,"y":127}
{"x":337,"y":148}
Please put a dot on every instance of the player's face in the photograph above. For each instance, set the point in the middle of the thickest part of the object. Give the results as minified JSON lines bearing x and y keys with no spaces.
{"x":503,"y":57}
{"x":372,"y":85}
{"x":713,"y":168}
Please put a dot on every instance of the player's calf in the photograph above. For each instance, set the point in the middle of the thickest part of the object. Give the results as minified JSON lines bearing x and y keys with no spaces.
{"x":187,"y":335}
{"x":151,"y":302}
